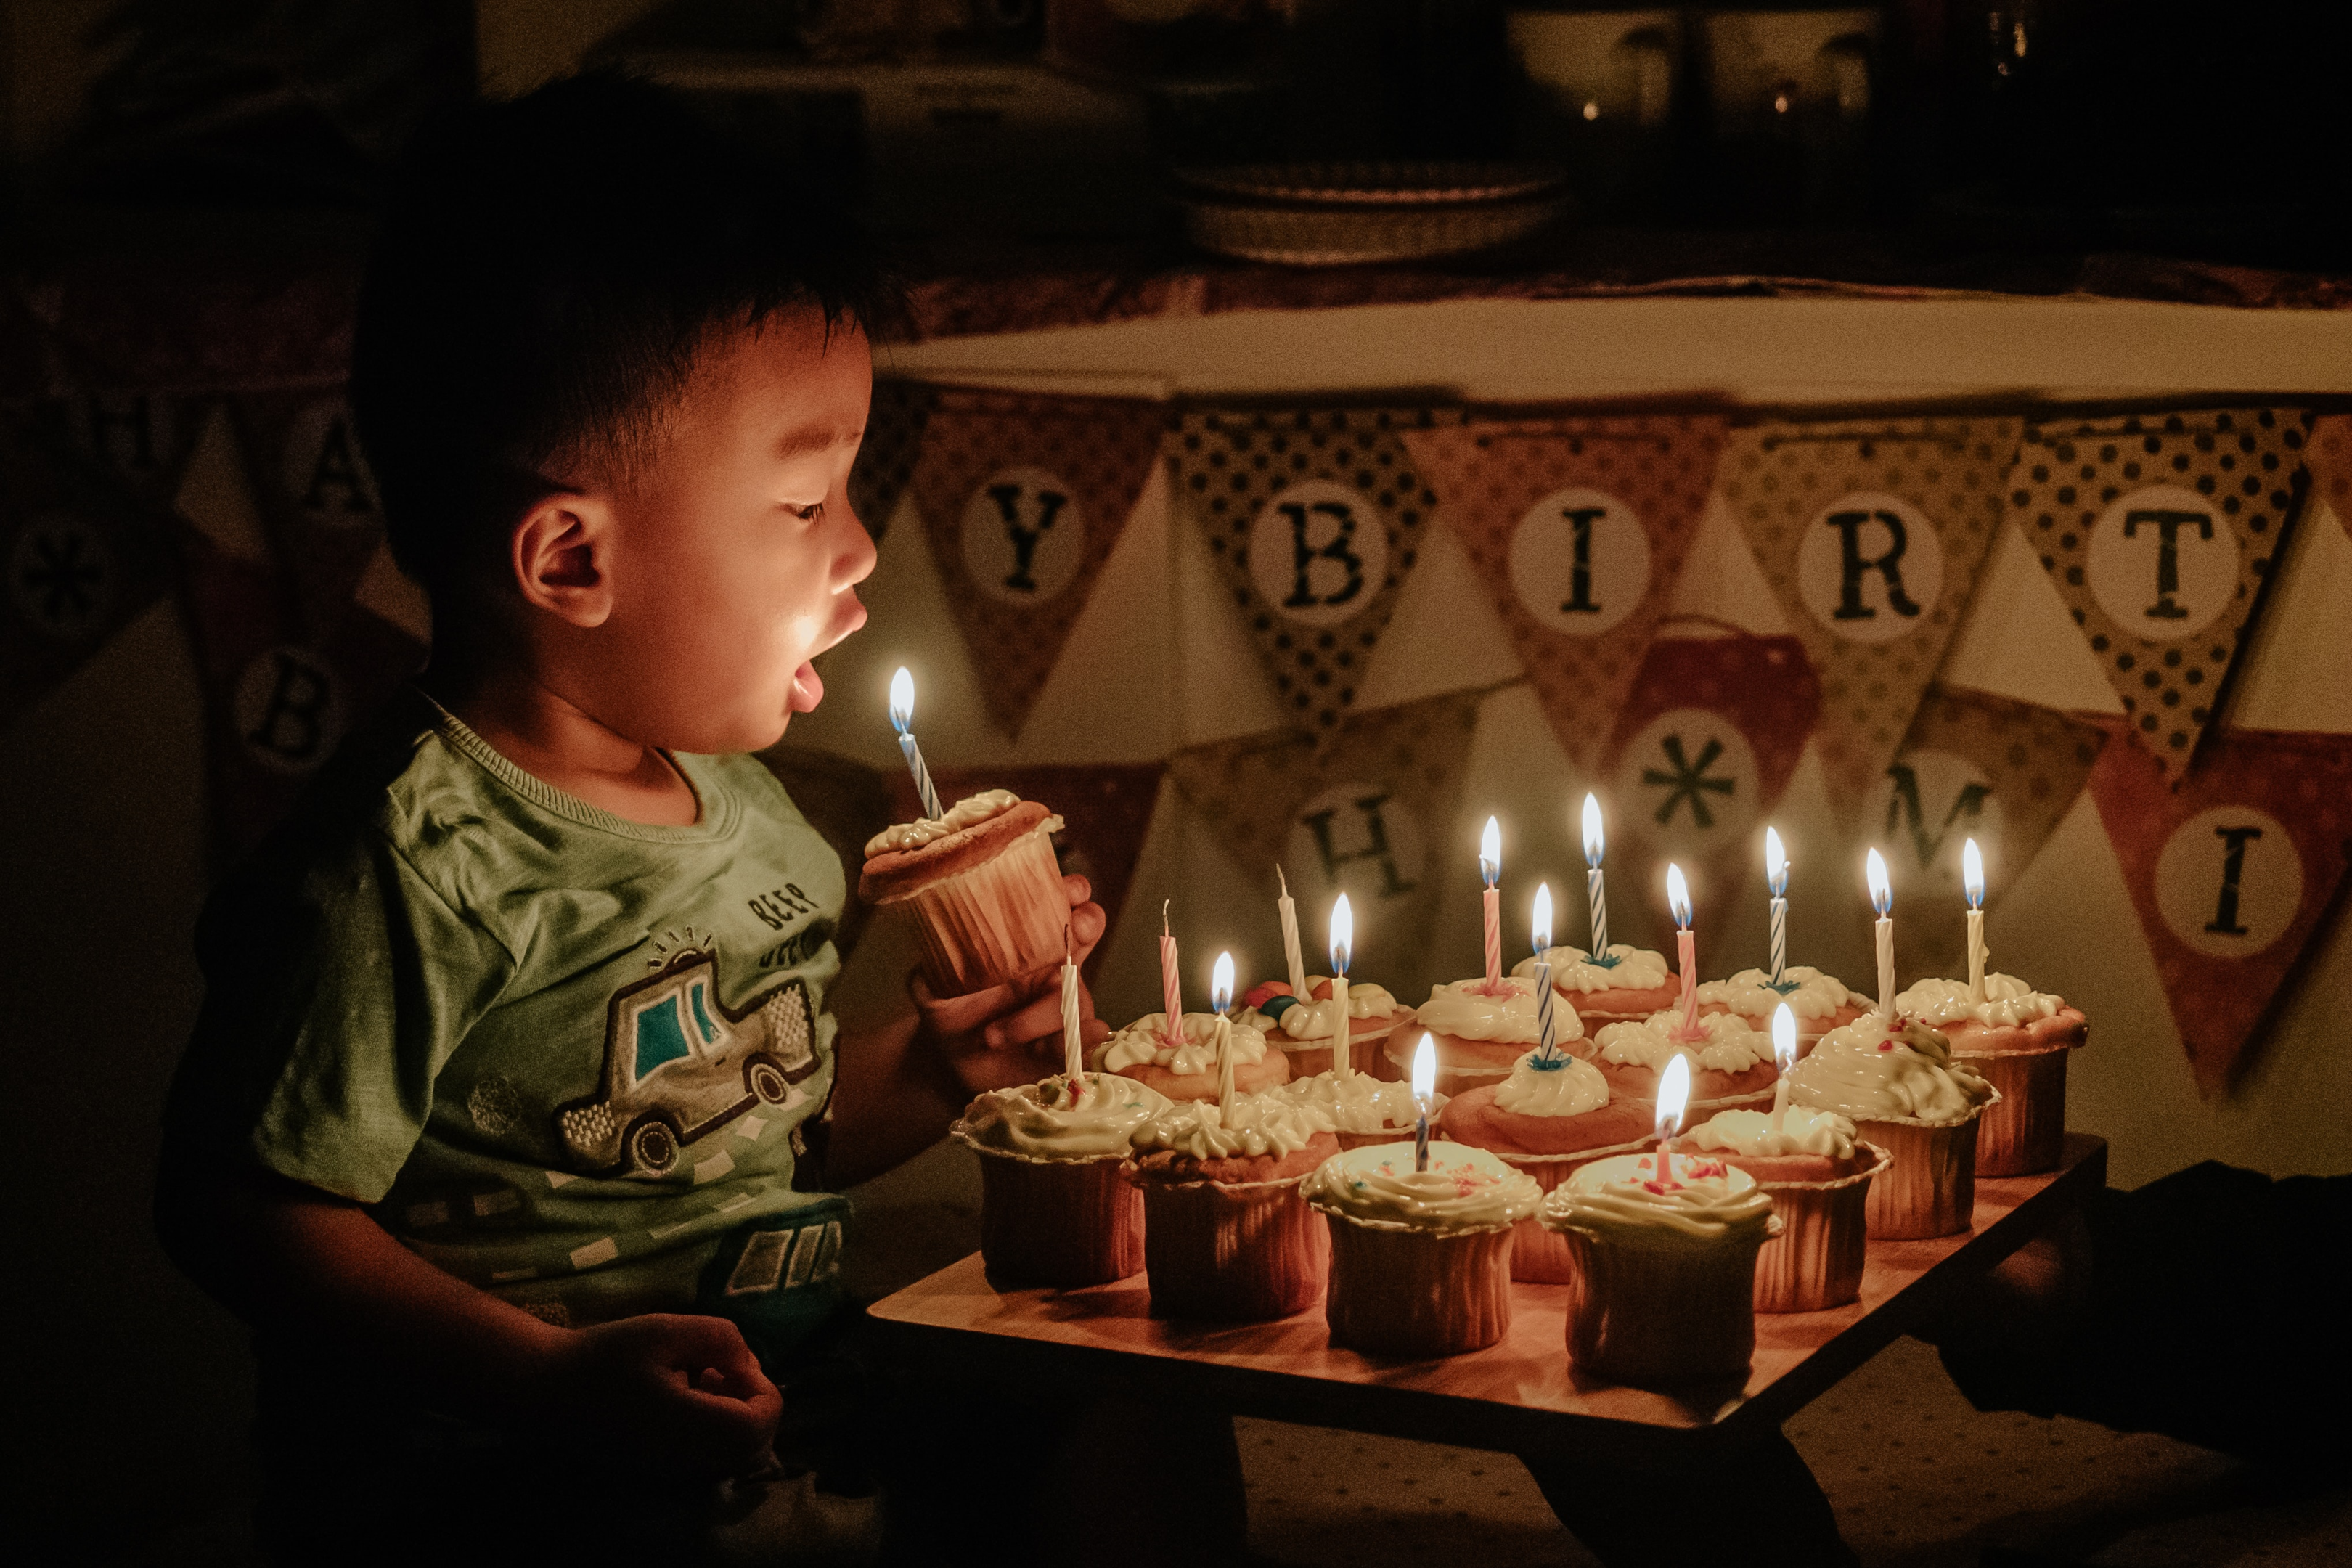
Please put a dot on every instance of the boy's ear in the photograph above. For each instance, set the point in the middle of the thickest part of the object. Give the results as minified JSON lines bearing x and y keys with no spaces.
{"x":560,"y":552}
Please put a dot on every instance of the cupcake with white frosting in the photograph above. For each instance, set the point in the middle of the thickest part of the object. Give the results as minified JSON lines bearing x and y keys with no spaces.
{"x":1621,"y":983}
{"x":1664,"y":1293}
{"x":1362,"y":1110}
{"x":1055,"y":1206}
{"x":980,"y":884}
{"x":1480,"y":1031}
{"x":1225,"y":1236}
{"x":1731,"y":1061}
{"x":1185,"y":1066}
{"x":1421,"y":1260}
{"x":1549,"y":1116}
{"x":2018,"y":1038}
{"x":1302,"y":1027}
{"x":1817,"y":1173}
{"x":1818,"y":1002}
{"x":1905,"y":1091}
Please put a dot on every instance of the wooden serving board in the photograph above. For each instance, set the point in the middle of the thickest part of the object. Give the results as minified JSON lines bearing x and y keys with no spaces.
{"x":1519,"y":1392}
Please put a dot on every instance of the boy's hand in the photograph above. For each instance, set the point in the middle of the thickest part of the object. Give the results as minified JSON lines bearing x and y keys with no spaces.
{"x":683,"y":1391}
{"x":1012,"y":1033}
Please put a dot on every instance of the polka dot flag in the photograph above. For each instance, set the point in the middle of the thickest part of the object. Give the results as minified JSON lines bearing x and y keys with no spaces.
{"x":886,"y":457}
{"x":2159,"y":530}
{"x":2330,"y":452}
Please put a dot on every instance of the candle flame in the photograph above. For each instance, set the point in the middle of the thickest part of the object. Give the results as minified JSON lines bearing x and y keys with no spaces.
{"x":1972,"y":873}
{"x":902,"y":701}
{"x":1543,"y":917}
{"x":1490,"y":851}
{"x":1678,"y":896}
{"x":1881,"y":895}
{"x":1593,"y":843}
{"x":1776,"y":863}
{"x":1425,"y":1069}
{"x":1673,"y":1093}
{"x":1784,"y":1038}
{"x":1221,"y":983}
{"x":1343,"y":935}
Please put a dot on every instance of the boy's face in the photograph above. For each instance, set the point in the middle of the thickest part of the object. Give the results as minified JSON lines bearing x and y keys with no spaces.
{"x":734,"y":555}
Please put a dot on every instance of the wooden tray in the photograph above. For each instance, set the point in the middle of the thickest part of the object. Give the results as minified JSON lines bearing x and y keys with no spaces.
{"x":1507,"y":1396}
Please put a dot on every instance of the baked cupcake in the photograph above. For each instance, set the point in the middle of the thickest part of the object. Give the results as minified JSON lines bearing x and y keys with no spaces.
{"x":1625,"y":983}
{"x":1665,"y":1285}
{"x":1817,"y":1174}
{"x":1055,"y":1206}
{"x":1818,"y":1002}
{"x":1301,"y":1028}
{"x":1730,"y":1066}
{"x":1480,"y":1033}
{"x":981,"y":886}
{"x":1224,"y":1234}
{"x":1186,"y":1068}
{"x":1546,"y":1118}
{"x":1421,"y":1260}
{"x":1362,"y":1110}
{"x":2017,"y":1039}
{"x":1901,"y":1088}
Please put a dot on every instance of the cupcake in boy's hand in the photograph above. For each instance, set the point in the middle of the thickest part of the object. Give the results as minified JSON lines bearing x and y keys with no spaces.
{"x":1225,"y":1234}
{"x":1625,"y":983}
{"x":1731,"y":1063}
{"x":1302,"y":1027}
{"x":1362,"y":1110}
{"x":1481,"y":1029}
{"x":1810,"y":1164}
{"x":1055,"y":1208}
{"x":2018,"y":1039}
{"x":1818,"y":1002}
{"x":1903,"y":1090}
{"x":980,"y":884}
{"x":1185,"y":1067}
{"x":1549,"y":1116}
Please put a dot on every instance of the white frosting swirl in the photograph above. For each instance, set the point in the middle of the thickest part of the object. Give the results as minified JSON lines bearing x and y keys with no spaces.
{"x":1042,"y":1120}
{"x":1464,"y":1188}
{"x":1619,"y":1200}
{"x":970,"y":812}
{"x":1732,"y":1043}
{"x":1801,"y":1131}
{"x":1564,"y":1086}
{"x":1141,"y":1041}
{"x":2009,"y":1002}
{"x":1462,"y":1008}
{"x":1864,"y":1070}
{"x":1360,"y":1102}
{"x":1751,"y":993}
{"x":1636,"y":968}
{"x":1260,"y":1124}
{"x":1310,"y":1022}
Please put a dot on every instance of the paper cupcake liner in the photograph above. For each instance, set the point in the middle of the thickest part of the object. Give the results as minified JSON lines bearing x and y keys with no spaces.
{"x":1366,"y":1140}
{"x":1237,"y":1252}
{"x":1661,"y":1317}
{"x":1816,"y":1260}
{"x":1416,"y":1294}
{"x":2025,"y":1131}
{"x":1537,"y":1255}
{"x":1001,"y":918}
{"x":1364,"y":1052}
{"x":1451,"y":1081}
{"x":1930,"y":1187}
{"x":1063,"y":1223}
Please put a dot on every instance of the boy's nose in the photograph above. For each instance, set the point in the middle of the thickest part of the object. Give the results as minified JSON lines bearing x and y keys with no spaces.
{"x":853,"y":562}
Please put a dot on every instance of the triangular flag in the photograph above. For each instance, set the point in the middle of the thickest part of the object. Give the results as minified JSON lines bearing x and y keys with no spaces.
{"x":1704,"y":747}
{"x":1315,"y":518}
{"x":2158,"y":531}
{"x":886,"y":457}
{"x":2330,"y":455}
{"x":1871,"y":533}
{"x":142,"y":440}
{"x":1578,"y":528}
{"x":2231,"y":871}
{"x":1023,"y":496}
{"x":317,"y":497}
{"x":1363,"y":812}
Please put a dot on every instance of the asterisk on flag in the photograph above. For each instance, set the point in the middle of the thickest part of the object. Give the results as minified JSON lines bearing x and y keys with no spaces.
{"x":1687,"y":780}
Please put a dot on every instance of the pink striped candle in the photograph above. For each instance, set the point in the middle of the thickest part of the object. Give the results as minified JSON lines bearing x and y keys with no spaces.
{"x":1171,"y":991}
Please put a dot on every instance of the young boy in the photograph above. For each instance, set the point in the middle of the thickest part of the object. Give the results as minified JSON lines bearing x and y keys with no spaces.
{"x":513,"y":1115}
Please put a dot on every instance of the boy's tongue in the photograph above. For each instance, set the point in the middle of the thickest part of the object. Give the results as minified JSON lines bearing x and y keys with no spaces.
{"x":808,"y":689}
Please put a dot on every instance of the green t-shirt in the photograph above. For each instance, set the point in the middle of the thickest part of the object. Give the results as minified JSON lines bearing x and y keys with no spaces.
{"x":568,"y":1058}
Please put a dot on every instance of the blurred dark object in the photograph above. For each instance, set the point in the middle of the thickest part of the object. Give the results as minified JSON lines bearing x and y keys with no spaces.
{"x":1598,"y":94}
{"x":840,"y":30}
{"x":263,"y":102}
{"x":1148,"y":39}
{"x":1792,"y":99}
{"x":1335,"y":215}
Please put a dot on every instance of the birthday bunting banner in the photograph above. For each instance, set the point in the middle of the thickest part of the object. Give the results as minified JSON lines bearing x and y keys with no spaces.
{"x":1578,"y":528}
{"x":140,"y":440}
{"x":1315,"y":517}
{"x":1871,"y":534}
{"x":1024,"y":499}
{"x":2330,"y":455}
{"x":1362,"y":813}
{"x":886,"y":457}
{"x":318,"y":500}
{"x":2231,"y":870}
{"x":2159,"y":530}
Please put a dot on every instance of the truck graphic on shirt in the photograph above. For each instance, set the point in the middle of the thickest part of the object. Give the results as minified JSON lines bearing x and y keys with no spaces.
{"x":679,"y":1065}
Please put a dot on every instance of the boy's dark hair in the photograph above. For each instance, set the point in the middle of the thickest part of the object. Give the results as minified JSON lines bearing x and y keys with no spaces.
{"x":546,"y":270}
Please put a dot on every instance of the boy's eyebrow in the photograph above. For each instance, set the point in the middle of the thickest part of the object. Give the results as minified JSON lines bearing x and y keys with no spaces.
{"x":807,"y":443}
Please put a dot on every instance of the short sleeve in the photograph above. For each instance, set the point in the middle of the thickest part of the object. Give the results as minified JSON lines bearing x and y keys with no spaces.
{"x":335,"y":989}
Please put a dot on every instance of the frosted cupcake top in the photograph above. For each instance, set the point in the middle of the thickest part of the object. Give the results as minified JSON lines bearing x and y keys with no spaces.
{"x":1621,"y":1199}
{"x":1142,"y":1041}
{"x":1867,"y":1069}
{"x":1260,"y":1124}
{"x":970,"y":812}
{"x":1046,"y":1122}
{"x":1561,"y":1086}
{"x":1359,"y":1103}
{"x":1311,"y":1021}
{"x":1464,"y":1009}
{"x":1463,"y":1189}
{"x":1732,"y":1043}
{"x":2009,"y":1002}
{"x":1628,"y":969}
{"x":1801,"y":1131}
{"x":1751,"y":993}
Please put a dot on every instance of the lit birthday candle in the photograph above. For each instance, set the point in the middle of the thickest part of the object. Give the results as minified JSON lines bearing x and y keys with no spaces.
{"x":1343,"y":947}
{"x":902,"y":718}
{"x":1784,"y":1057}
{"x":1220,"y":996}
{"x":1686,"y":951}
{"x":1882,"y":899}
{"x":1776,"y":877}
{"x":1545,"y":1048}
{"x":1490,"y":869}
{"x":1425,"y":1081}
{"x":1972,"y":880}
{"x":1596,"y":897}
{"x":1673,"y":1093}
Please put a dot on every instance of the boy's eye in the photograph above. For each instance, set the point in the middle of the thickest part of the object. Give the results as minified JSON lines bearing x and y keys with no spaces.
{"x":807,"y":513}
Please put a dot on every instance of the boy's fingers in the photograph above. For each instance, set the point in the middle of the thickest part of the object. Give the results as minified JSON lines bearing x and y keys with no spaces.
{"x":1087,"y":923}
{"x":1036,"y":1021}
{"x":1078,"y":888}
